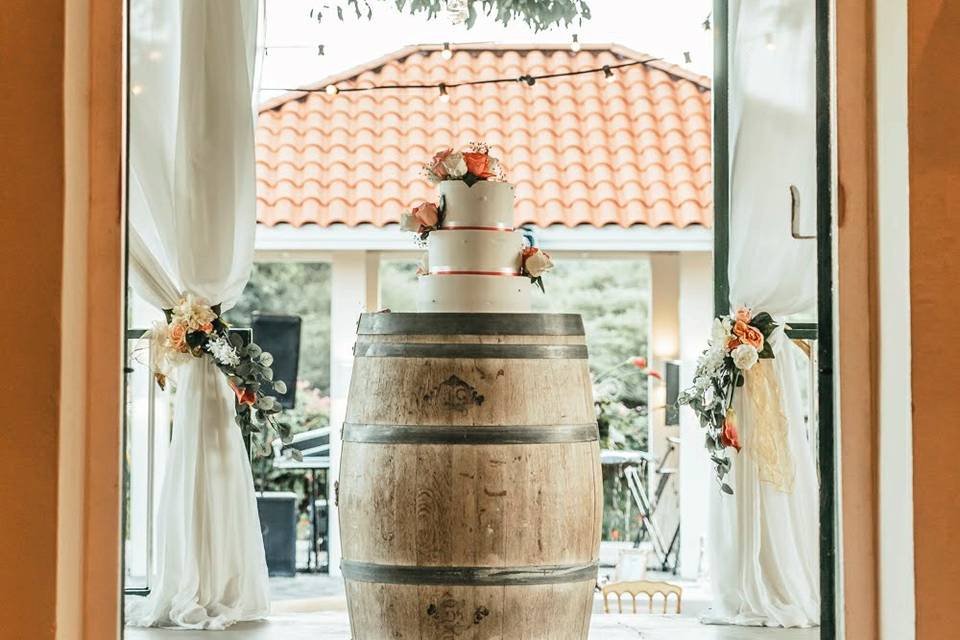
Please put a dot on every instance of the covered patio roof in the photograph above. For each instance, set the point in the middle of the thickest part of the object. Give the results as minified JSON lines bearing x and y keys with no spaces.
{"x":581,"y":150}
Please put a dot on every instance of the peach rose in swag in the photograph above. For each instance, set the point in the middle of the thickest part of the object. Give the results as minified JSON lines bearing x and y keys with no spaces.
{"x":178,"y":337}
{"x":748,"y":334}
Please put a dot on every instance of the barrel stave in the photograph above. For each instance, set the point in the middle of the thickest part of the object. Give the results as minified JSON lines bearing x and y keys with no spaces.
{"x":467,"y":505}
{"x":450,"y":533}
{"x":540,"y":612}
{"x":425,"y":391}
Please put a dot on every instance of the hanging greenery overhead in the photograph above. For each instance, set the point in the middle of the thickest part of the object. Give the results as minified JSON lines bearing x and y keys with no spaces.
{"x":537,"y":14}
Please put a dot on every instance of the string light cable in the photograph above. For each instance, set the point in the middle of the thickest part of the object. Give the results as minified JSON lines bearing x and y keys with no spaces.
{"x":443,"y":88}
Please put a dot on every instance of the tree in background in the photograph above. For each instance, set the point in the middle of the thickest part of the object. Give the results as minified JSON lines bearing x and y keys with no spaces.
{"x":300,"y":289}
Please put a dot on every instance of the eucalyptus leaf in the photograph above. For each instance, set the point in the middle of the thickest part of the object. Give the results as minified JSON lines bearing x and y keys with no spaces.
{"x":280,"y":386}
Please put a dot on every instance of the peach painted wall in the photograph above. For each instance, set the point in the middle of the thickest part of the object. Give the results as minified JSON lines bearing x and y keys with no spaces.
{"x":31,"y":221}
{"x":934,"y":129}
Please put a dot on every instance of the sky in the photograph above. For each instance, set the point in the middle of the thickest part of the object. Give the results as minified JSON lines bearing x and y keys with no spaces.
{"x":661,"y":28}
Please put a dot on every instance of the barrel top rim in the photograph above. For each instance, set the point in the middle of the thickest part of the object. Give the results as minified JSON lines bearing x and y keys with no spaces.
{"x":526,"y":324}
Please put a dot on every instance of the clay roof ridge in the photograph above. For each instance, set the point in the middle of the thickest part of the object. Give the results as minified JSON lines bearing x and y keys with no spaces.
{"x":673,"y":70}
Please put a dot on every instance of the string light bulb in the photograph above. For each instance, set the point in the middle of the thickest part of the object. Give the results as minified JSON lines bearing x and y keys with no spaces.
{"x":446,"y":53}
{"x":332,"y":90}
{"x":444,"y":96}
{"x":687,"y":58}
{"x":706,"y":22}
{"x":608,"y":74}
{"x":769,"y":41}
{"x":575,"y":45}
{"x":136,"y":89}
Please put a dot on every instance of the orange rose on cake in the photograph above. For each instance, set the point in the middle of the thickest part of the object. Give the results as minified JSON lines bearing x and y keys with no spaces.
{"x":479,"y":164}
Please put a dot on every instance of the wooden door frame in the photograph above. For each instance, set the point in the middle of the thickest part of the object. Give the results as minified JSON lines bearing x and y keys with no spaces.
{"x":88,"y":462}
{"x":97,"y":601}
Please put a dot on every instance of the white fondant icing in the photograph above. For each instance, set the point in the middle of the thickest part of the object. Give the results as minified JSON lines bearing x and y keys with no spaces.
{"x":485,"y":204}
{"x":473,"y":294}
{"x":489,"y":206}
{"x":475,"y":251}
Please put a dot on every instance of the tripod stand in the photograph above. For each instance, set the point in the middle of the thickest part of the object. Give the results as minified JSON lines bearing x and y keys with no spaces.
{"x":648,"y":507}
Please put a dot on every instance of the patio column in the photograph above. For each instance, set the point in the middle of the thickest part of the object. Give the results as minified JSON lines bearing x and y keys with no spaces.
{"x":696,"y":318}
{"x":355,"y":288}
{"x":664,"y":347}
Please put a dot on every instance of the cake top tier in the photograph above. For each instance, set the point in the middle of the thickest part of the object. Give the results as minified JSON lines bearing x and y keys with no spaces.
{"x":485,"y":205}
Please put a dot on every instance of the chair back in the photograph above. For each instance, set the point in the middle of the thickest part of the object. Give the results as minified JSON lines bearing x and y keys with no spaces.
{"x":644,"y":587}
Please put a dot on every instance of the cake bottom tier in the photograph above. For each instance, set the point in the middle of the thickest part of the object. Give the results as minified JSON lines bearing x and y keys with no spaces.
{"x":467,"y":293}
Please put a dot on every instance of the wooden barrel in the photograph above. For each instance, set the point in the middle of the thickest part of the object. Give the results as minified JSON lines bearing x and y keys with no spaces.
{"x":470,"y":494}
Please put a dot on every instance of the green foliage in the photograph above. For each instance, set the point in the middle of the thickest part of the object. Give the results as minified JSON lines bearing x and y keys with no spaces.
{"x":537,"y":14}
{"x":297,"y":288}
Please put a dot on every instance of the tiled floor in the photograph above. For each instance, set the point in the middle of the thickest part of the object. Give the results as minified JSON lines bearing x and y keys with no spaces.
{"x":333,"y":625}
{"x":312,"y":607}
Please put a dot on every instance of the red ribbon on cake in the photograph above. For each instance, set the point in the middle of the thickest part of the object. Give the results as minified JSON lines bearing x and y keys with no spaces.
{"x":448,"y":271}
{"x":456,"y":227}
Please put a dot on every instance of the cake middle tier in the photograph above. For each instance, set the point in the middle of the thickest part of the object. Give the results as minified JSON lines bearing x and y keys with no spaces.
{"x":475,"y":252}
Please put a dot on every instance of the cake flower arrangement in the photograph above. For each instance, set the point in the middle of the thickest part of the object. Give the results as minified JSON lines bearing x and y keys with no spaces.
{"x":470,"y":165}
{"x":736,"y":344}
{"x":534,"y":263}
{"x":195,"y":329}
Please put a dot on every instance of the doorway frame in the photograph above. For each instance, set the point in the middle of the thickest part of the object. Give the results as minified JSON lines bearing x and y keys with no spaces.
{"x":95,"y":602}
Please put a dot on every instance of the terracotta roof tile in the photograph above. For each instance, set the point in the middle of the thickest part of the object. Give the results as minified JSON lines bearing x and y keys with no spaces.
{"x":582,"y":151}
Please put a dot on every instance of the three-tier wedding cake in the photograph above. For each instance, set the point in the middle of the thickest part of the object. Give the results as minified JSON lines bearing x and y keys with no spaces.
{"x":476,"y":261}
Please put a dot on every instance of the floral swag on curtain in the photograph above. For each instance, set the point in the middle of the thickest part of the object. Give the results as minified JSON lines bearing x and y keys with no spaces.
{"x":191,"y":237}
{"x":763,"y":533}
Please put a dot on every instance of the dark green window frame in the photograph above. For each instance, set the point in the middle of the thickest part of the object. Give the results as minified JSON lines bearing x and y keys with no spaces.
{"x":820,"y":331}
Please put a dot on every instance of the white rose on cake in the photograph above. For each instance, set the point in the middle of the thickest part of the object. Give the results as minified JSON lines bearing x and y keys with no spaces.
{"x":744,"y":357}
{"x":409,"y":222}
{"x":535,"y":262}
{"x":454,"y":166}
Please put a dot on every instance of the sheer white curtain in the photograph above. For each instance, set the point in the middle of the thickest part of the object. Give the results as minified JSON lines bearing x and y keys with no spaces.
{"x":192,"y":224}
{"x":764,"y":538}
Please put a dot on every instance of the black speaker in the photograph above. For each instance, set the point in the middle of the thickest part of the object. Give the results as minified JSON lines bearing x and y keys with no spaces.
{"x":672,"y":371}
{"x":278,"y":524}
{"x":279,"y":335}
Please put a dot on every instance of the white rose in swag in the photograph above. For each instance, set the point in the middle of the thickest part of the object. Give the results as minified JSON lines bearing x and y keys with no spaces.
{"x":744,"y":357}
